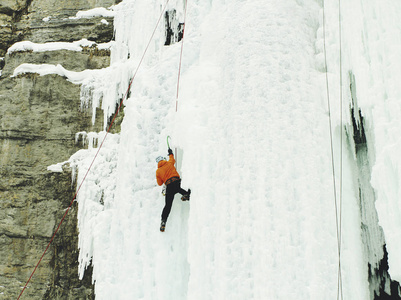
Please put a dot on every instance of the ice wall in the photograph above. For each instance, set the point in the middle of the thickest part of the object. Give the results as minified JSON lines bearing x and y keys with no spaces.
{"x":262,"y":219}
{"x":371,"y":40}
{"x":253,"y":124}
{"x":122,"y":239}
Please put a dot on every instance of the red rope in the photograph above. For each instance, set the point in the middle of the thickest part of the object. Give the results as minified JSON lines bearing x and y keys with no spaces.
{"x":94,"y":158}
{"x":182,"y":46}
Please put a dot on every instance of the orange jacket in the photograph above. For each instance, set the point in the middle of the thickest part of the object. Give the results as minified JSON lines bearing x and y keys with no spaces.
{"x":166,"y":170}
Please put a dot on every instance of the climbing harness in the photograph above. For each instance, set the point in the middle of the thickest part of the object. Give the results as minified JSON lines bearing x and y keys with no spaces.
{"x":337,"y":203}
{"x":100,"y":146}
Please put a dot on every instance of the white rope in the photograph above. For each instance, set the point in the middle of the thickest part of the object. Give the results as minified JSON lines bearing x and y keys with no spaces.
{"x":338,"y":215}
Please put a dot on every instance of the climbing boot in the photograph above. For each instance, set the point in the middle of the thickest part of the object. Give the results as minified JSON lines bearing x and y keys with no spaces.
{"x":163,"y":226}
{"x":186,"y":196}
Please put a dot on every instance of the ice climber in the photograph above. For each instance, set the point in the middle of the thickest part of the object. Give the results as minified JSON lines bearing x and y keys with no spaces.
{"x":167,"y":174}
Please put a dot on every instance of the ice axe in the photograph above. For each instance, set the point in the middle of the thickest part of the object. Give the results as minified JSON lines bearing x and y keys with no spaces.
{"x":168,"y":144}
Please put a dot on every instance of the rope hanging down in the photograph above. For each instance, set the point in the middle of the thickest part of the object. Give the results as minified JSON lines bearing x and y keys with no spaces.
{"x":179,"y":67}
{"x":94,"y":158}
{"x":182,"y":47}
{"x":341,"y":154}
{"x":338,"y":214}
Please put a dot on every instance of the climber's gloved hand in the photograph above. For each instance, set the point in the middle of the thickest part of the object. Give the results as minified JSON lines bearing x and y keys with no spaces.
{"x":170,"y":151}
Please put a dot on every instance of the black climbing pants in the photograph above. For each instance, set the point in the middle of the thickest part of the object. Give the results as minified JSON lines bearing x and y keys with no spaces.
{"x":171,"y":189}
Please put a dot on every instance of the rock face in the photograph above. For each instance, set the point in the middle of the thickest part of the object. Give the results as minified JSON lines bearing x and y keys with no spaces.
{"x":24,"y":20}
{"x":39,"y":116}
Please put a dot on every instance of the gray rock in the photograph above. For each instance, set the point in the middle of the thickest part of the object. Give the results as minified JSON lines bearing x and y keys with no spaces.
{"x":39,"y":116}
{"x":23,"y":20}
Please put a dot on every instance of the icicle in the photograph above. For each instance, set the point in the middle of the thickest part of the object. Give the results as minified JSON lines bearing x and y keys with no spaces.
{"x":78,"y":135}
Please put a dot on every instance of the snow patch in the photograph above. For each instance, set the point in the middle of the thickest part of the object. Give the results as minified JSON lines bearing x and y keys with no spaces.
{"x":55,"y":46}
{"x":95,"y":12}
{"x":47,"y":69}
{"x":57,"y":168}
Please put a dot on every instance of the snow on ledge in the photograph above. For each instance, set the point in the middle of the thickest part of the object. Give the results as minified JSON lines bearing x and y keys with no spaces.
{"x":54,"y":46}
{"x":100,"y":88}
{"x":47,"y":69}
{"x":57,"y":168}
{"x":95,"y":12}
